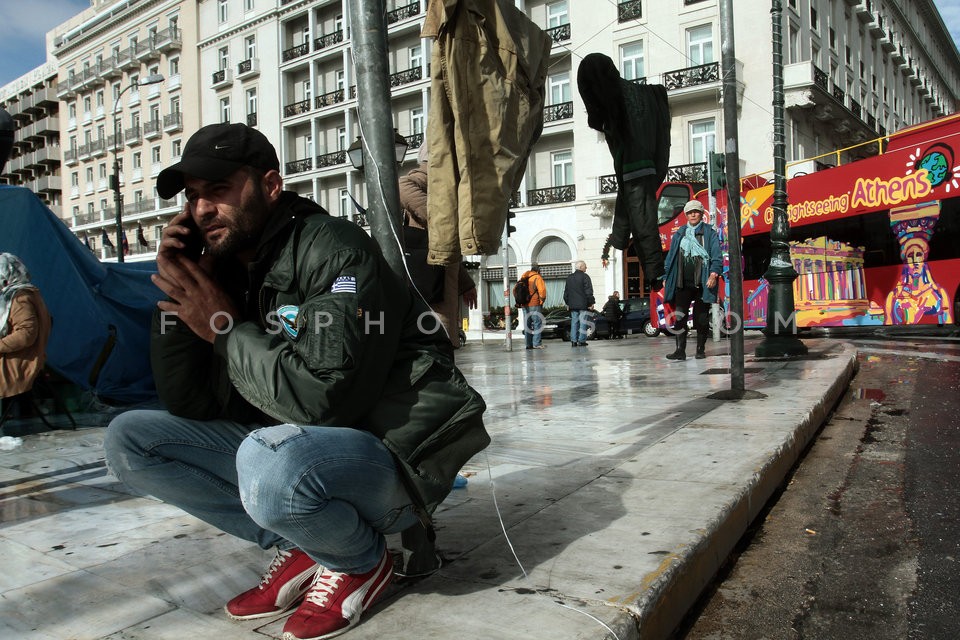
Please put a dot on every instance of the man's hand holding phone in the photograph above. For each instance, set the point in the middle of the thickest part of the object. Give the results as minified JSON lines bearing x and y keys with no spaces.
{"x":195,"y":297}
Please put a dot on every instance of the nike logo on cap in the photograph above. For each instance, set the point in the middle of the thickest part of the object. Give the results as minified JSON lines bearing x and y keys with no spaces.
{"x":217,"y":147}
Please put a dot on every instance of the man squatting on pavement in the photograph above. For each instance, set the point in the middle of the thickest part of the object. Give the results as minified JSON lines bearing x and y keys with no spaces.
{"x":306,"y":408}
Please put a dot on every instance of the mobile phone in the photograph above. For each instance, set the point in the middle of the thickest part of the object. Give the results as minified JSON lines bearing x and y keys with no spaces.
{"x":193,"y":240}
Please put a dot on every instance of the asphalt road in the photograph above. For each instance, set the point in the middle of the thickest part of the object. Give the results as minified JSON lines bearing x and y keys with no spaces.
{"x":864,"y":540}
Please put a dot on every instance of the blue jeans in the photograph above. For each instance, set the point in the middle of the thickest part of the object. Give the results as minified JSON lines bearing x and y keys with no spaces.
{"x":579,"y":325}
{"x":332,"y":492}
{"x":533,"y":321}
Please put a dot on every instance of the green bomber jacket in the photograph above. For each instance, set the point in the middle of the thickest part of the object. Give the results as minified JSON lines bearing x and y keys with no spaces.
{"x":330,"y":336}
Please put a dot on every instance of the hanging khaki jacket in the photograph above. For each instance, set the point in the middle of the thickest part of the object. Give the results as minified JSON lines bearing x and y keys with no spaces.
{"x":488,"y":70}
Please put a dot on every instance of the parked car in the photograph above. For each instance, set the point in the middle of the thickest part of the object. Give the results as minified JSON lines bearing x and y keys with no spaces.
{"x":636,"y":319}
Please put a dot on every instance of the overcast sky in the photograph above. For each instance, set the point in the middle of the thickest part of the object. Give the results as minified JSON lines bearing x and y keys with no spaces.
{"x":24,"y":24}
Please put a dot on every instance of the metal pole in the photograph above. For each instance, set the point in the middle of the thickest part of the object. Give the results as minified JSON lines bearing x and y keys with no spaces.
{"x":781,"y":330}
{"x":369,"y":36}
{"x":115,"y":179}
{"x":732,"y":165}
{"x":507,"y":317}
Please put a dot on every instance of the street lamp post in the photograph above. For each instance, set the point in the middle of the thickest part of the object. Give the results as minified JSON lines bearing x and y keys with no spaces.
{"x":153,"y":78}
{"x":780,"y":333}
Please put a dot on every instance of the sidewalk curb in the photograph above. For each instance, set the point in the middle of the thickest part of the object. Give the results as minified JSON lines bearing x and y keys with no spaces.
{"x":668,"y":594}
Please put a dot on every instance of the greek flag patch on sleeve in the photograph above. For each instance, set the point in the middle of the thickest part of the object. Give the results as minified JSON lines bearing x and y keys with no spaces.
{"x":344,"y":284}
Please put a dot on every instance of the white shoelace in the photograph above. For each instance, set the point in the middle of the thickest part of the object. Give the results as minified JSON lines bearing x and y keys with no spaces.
{"x":323,"y":587}
{"x":278,"y":561}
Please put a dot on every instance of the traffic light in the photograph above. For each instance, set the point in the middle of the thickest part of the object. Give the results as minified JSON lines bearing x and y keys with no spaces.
{"x":510,"y":228}
{"x":718,"y":168}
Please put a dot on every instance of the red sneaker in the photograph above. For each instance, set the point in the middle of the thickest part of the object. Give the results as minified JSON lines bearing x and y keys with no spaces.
{"x":281,"y":587}
{"x":336,"y":601}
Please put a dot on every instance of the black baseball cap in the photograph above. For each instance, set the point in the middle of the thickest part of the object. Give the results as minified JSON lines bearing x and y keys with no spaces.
{"x":216,"y":151}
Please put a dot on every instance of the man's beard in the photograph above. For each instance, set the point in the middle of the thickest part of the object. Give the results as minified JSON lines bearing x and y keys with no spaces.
{"x":245,"y":229}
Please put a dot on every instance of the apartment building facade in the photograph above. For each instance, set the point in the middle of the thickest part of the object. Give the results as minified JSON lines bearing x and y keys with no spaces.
{"x":108,"y":114}
{"x":35,"y":158}
{"x":854,"y":70}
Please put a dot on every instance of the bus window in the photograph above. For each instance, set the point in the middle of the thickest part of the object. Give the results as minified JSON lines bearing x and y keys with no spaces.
{"x":672,"y":199}
{"x":943,"y":244}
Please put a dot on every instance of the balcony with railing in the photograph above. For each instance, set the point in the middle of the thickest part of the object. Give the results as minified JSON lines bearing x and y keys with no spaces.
{"x":414,"y":140}
{"x":295,"y":52}
{"x":331,"y":159}
{"x":328,"y":99}
{"x":298,"y":166}
{"x":296,"y":108}
{"x":221,"y":78}
{"x":173,"y":122}
{"x":692,"y":76}
{"x":694,"y":173}
{"x":248,"y":68}
{"x":551,"y":195}
{"x":630,"y":10}
{"x":252,"y":119}
{"x":152,"y":129}
{"x":559,"y":33}
{"x":403,"y":13}
{"x":554,"y":112}
{"x":328,"y":40}
{"x":401,"y":78}
{"x":98,"y":148}
{"x":132,"y":136}
{"x":147,"y":51}
{"x":169,"y":39}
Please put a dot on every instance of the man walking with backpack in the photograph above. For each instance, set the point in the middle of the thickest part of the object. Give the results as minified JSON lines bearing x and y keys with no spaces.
{"x":530,"y":294}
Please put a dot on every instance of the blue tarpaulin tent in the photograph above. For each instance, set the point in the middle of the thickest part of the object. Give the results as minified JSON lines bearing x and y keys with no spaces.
{"x":101,"y":311}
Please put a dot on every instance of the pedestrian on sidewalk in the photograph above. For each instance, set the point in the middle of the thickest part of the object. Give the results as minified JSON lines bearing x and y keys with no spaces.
{"x":24,"y":331}
{"x":613,"y":314}
{"x":578,"y":296}
{"x":533,"y":308}
{"x":693,"y":271}
{"x":306,"y":409}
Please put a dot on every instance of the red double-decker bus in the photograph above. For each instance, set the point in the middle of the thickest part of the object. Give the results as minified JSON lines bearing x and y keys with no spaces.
{"x":876,"y":241}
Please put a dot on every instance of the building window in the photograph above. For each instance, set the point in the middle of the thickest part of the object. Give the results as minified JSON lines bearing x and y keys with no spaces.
{"x":631,"y":61}
{"x":557,"y":14}
{"x":173,"y":64}
{"x":416,"y":120}
{"x":344,"y":197}
{"x":155,"y":155}
{"x":702,"y":139}
{"x":562,"y":163}
{"x":341,"y":138}
{"x":224,"y":109}
{"x":833,"y":39}
{"x":251,"y":101}
{"x":223,"y":55}
{"x":250,"y":46}
{"x":814,"y":19}
{"x":416,"y":57}
{"x":222,"y":11}
{"x":700,"y":44}
{"x":794,"y":44}
{"x":248,"y":5}
{"x":176,"y":148}
{"x":559,"y":84}
{"x":340,"y":80}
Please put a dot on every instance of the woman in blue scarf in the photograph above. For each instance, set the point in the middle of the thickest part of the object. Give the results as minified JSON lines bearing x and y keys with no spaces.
{"x":692,"y":271}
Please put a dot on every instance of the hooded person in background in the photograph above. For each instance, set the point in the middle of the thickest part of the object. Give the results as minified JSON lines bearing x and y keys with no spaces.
{"x":635,"y":120}
{"x":440,"y":285}
{"x":24,"y":328}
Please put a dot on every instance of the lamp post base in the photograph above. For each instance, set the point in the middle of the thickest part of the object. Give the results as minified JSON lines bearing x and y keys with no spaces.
{"x":780,"y":346}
